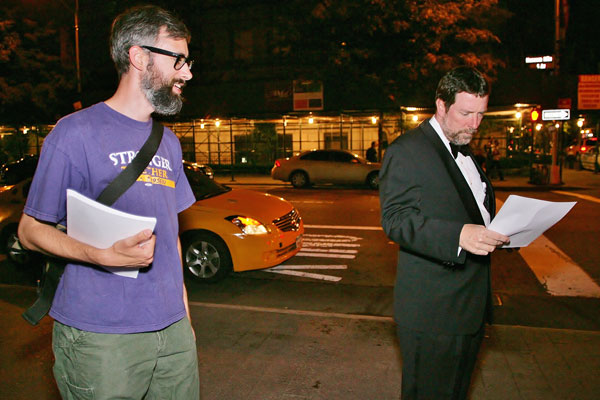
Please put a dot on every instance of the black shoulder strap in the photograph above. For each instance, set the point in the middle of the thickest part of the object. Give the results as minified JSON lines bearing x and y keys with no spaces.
{"x":129,"y":175}
{"x":55,"y":268}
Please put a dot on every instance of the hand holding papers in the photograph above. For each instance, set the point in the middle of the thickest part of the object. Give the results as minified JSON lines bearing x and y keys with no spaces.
{"x":524,"y":219}
{"x":101,"y":226}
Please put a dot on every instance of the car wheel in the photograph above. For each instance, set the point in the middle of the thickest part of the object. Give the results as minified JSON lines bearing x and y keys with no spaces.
{"x":373,"y":180}
{"x":299,"y":179}
{"x":206,"y":257}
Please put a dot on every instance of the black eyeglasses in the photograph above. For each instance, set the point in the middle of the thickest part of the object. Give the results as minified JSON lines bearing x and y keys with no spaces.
{"x":180,"y":59}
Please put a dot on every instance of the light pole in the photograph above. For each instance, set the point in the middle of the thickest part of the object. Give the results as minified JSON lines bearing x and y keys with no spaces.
{"x":77,"y":46}
{"x":78,"y":69}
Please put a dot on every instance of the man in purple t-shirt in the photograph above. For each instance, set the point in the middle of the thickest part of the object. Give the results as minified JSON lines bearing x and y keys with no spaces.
{"x":117,"y":336}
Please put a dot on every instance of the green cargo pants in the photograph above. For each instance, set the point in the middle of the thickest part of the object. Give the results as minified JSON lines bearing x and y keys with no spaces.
{"x":151,"y":365}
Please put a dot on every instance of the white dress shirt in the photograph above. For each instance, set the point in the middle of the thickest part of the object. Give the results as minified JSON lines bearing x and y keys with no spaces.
{"x":469,"y":171}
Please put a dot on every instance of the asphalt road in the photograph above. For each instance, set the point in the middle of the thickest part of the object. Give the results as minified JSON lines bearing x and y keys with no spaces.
{"x":347,"y":265}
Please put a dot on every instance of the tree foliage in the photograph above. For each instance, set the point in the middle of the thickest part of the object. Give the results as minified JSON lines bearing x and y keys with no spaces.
{"x":401,"y":47}
{"x":34,"y":84}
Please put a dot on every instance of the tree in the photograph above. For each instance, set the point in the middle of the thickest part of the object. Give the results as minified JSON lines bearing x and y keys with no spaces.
{"x":399,"y":48}
{"x":35,"y":86}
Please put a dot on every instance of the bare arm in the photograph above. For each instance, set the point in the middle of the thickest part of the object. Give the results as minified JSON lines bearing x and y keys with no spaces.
{"x":185,"y":296}
{"x":135,"y":251}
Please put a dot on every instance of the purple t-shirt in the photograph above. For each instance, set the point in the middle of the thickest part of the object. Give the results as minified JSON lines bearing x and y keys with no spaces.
{"x":85,"y":152}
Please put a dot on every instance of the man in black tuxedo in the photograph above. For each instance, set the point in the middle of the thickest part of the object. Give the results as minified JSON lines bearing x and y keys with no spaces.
{"x":436,"y":203}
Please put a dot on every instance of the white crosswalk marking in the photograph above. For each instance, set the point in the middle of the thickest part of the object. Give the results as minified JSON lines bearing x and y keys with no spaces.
{"x":559,"y":275}
{"x":578,"y":195}
{"x":556,"y":272}
{"x":322,"y":246}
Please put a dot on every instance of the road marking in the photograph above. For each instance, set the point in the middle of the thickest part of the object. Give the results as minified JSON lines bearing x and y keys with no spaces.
{"x":292,"y":312}
{"x":558,"y":273}
{"x":338,"y":251}
{"x":314,"y":201}
{"x":358,"y":228}
{"x":581,"y":196}
{"x":308,"y":267}
{"x":325,"y":255}
{"x":303,"y":274}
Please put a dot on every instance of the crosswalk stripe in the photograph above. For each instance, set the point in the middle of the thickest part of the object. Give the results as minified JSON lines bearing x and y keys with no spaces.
{"x":560,"y":275}
{"x":556,"y":271}
{"x":581,"y":196}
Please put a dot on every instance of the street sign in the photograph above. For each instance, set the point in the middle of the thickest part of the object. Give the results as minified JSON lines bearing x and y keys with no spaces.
{"x":588,"y":92}
{"x":556,"y":115}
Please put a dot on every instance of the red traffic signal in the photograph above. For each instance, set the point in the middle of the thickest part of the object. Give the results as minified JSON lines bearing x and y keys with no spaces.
{"x":536,"y":113}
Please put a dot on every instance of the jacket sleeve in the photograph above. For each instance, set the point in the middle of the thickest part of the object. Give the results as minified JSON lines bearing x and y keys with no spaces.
{"x":409,"y":213}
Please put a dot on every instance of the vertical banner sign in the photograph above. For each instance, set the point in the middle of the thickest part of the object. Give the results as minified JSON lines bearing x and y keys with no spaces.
{"x":588,"y":92}
{"x":308,"y":95}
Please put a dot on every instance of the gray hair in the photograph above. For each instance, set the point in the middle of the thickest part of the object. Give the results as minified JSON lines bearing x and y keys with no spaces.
{"x":141,"y":26}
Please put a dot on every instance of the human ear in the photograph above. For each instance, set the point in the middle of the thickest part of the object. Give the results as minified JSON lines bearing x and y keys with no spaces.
{"x":440,"y":106}
{"x":138,"y":58}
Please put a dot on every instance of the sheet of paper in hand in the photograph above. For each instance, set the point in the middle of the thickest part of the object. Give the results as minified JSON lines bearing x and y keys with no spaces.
{"x":524,"y":219}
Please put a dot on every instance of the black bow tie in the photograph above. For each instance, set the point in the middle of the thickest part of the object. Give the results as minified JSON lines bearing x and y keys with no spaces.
{"x":455,"y":149}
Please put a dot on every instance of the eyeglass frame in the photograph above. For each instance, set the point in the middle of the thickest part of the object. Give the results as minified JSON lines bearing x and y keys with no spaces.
{"x":178,"y":56}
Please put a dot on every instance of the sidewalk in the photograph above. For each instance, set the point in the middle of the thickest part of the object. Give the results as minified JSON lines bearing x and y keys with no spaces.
{"x":250,"y":353}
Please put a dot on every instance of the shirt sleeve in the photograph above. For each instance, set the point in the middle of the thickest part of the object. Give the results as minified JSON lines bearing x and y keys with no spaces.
{"x":55,"y":173}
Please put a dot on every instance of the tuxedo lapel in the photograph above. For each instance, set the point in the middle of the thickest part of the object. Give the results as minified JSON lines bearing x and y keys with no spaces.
{"x":489,"y":190}
{"x":462,"y":187}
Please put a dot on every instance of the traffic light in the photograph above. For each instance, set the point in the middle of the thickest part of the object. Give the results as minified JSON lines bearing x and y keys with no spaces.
{"x":536,"y":113}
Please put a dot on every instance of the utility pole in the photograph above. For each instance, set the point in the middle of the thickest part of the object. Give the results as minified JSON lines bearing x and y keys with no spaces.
{"x":555,"y":178}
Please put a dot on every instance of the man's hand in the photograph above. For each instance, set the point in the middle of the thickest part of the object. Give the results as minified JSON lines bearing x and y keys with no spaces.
{"x":135,"y":251}
{"x":477,"y":239}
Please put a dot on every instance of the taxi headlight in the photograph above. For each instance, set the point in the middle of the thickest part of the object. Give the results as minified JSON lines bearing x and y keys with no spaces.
{"x":248,"y":225}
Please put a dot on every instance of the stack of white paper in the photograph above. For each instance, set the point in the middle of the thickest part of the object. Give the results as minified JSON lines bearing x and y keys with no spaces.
{"x":101,"y":226}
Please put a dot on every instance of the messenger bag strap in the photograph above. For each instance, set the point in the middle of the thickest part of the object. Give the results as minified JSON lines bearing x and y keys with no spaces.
{"x":129,"y":175}
{"x":54,"y":267}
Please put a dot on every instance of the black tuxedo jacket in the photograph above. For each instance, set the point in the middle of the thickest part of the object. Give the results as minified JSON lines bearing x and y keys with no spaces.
{"x":425,"y":201}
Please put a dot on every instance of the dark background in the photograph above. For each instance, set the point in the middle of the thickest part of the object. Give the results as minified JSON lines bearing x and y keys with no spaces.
{"x":369,"y":54}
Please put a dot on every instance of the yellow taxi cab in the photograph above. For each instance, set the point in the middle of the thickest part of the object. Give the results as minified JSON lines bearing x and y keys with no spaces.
{"x":235,"y":229}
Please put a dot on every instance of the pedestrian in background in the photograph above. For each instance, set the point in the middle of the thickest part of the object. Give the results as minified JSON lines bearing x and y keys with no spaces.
{"x":115,"y":336}
{"x":436,"y":203}
{"x":493,"y":167}
{"x":372,"y":153}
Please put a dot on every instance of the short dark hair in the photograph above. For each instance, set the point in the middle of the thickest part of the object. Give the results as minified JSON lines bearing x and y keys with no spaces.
{"x":461,"y":79}
{"x":140,"y":26}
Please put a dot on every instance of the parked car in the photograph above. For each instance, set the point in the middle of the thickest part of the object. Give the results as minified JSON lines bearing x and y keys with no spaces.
{"x":205,"y":169}
{"x":17,"y":171}
{"x":590,"y":160}
{"x":225,"y":230}
{"x":235,"y":229}
{"x":326,"y":166}
{"x":12,"y":201}
{"x":575,"y":150}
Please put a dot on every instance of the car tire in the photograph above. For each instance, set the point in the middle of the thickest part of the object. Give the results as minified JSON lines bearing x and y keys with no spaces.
{"x":373,"y":180}
{"x":206,"y":257}
{"x":299,"y":179}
